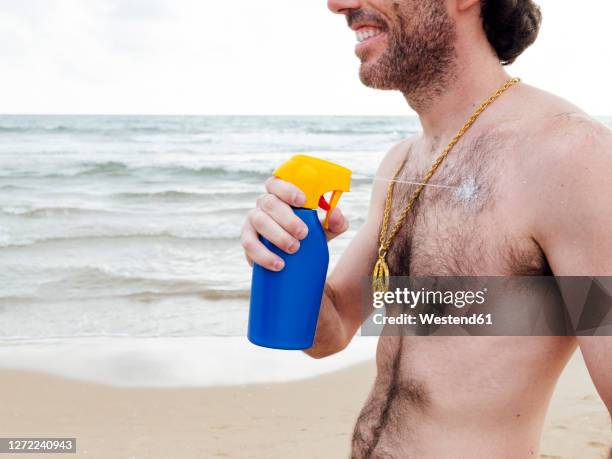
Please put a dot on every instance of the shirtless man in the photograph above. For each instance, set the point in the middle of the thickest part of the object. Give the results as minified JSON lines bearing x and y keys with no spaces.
{"x":540,"y":174}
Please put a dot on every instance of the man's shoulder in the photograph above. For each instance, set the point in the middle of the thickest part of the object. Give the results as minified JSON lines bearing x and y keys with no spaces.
{"x":560,"y":160}
{"x":386,"y":170}
{"x":552,"y":117}
{"x":573,"y":138}
{"x":568,"y":160}
{"x":557,"y":131}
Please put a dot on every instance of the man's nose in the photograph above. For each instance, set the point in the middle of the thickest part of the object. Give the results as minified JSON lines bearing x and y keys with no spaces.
{"x":340,"y":6}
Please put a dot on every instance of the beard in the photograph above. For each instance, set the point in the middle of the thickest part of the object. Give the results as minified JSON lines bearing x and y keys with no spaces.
{"x":420,"y":55}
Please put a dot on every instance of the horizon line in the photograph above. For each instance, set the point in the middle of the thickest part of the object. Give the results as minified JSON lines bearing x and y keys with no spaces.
{"x":358,"y":115}
{"x":205,"y":114}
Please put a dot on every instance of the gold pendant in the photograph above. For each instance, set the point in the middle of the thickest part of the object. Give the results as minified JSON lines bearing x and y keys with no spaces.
{"x":380,"y":276}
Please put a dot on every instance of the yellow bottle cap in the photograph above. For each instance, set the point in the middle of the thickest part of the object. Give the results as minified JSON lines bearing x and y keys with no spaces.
{"x":315,"y":177}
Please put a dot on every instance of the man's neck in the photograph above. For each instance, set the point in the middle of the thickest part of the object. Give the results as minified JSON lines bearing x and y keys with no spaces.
{"x":471,"y":84}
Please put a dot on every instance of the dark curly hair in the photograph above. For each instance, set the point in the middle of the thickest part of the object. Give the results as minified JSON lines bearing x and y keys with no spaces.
{"x":511,"y":26}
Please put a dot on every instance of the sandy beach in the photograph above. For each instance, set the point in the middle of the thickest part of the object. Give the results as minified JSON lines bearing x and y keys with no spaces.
{"x":301,"y":419}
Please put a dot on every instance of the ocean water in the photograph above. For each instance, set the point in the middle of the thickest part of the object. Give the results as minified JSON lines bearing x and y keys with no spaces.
{"x":128,"y":226}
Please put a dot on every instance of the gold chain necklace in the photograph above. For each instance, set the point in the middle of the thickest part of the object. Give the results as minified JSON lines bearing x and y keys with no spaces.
{"x":380,"y":281}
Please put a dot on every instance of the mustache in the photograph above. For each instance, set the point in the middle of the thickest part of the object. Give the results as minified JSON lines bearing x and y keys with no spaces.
{"x":362,"y":15}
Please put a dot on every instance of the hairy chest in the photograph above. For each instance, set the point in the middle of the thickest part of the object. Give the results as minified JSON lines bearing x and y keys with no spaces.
{"x":465,"y":222}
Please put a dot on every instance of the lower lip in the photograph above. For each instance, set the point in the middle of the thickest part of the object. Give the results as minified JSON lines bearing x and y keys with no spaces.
{"x":370,"y":41}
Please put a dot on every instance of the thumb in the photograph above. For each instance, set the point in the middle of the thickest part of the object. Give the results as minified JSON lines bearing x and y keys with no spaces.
{"x":338,"y":224}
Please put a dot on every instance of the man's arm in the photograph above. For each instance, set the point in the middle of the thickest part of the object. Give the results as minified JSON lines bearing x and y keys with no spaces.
{"x":342,"y":310}
{"x":575,"y":224}
{"x":341,"y":313}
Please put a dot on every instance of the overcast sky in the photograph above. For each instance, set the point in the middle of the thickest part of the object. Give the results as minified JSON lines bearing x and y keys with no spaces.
{"x":245,"y":57}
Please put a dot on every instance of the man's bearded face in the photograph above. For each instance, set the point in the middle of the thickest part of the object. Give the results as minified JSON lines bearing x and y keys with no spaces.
{"x":406,"y":45}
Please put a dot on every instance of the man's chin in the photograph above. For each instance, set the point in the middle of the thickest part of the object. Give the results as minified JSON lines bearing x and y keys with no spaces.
{"x":373,"y":76}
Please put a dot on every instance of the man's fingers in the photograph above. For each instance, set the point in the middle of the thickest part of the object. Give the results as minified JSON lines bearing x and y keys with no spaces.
{"x":338,"y":224}
{"x":286,"y":191}
{"x":282,"y":214}
{"x":274,"y":220}
{"x":256,"y":252}
{"x":263,"y":224}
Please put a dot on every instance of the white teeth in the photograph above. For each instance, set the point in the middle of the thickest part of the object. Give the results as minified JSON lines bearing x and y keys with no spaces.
{"x":364,"y":34}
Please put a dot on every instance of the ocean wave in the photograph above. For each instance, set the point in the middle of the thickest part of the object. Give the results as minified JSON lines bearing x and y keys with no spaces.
{"x":99,"y":283}
{"x":29,"y":242}
{"x":143,"y":296}
{"x":216,"y":171}
{"x":11,"y":187}
{"x":203,"y":210}
{"x":14,"y":129}
{"x":175,"y":195}
{"x":360,"y":179}
{"x":104,"y":278}
{"x":217,"y":294}
{"x":113,"y":168}
{"x":119,"y":130}
{"x":44,"y":212}
{"x":254,"y":173}
{"x":167,"y":195}
{"x":207,"y":294}
{"x":106,"y":168}
{"x":361,"y":131}
{"x":60,"y":339}
{"x":38,"y":129}
{"x":109,"y":167}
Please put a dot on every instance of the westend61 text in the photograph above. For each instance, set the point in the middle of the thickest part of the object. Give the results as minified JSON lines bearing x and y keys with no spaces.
{"x":432,"y":319}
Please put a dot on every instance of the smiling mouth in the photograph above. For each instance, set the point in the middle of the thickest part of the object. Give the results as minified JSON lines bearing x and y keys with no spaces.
{"x":366,"y":33}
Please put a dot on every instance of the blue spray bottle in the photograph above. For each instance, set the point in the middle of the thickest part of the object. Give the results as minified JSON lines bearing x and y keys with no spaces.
{"x":285,"y":305}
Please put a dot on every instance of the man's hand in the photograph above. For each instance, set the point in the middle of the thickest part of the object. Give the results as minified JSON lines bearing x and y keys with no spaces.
{"x":274,"y":219}
{"x":341,"y":310}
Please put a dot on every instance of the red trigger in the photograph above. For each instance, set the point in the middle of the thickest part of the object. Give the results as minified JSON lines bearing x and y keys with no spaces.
{"x":323,"y":204}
